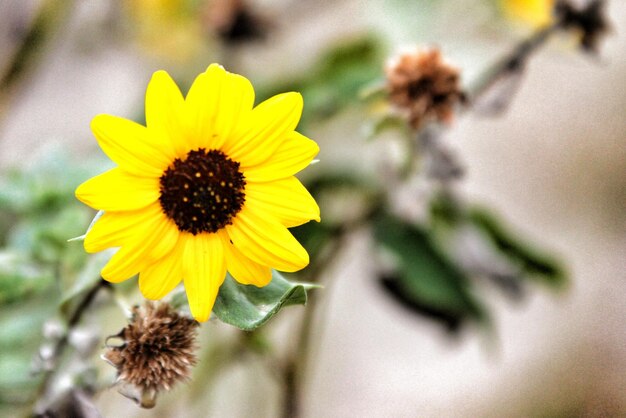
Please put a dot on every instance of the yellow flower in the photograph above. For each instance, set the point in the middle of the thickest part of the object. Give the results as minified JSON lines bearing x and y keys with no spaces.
{"x":536,"y":13}
{"x":207,"y":186}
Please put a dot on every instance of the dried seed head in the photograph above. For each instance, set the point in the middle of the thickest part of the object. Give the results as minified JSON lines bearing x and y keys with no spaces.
{"x":590,"y":20}
{"x":423,"y":86}
{"x":157,"y":350}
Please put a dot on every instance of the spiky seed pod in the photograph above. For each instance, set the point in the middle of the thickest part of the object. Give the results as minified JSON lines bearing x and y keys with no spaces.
{"x":157,"y":350}
{"x":423,"y":86}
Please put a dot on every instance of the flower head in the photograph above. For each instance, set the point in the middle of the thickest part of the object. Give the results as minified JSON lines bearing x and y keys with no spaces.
{"x":207,"y":186}
{"x":157,"y":350}
{"x":423,"y":86}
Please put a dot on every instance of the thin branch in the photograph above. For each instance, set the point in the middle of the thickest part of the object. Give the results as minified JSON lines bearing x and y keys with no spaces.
{"x":441,"y":164}
{"x":62,"y":344}
{"x":296,"y":364}
{"x":512,"y":63}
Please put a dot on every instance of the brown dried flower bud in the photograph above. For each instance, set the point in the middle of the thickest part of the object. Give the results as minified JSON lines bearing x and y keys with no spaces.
{"x":423,"y":86}
{"x":157,"y":351}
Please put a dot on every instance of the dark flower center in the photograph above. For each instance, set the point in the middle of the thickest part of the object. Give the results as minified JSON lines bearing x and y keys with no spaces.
{"x":203,"y":192}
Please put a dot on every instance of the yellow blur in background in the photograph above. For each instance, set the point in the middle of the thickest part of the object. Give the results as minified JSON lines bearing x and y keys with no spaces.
{"x":535,"y":13}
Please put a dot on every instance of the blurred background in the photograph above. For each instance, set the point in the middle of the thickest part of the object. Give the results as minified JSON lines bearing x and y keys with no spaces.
{"x":553,"y":165}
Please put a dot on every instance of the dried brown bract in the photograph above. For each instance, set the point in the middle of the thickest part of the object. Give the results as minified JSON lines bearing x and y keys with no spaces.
{"x":423,"y":86}
{"x":590,"y":20}
{"x":157,"y":351}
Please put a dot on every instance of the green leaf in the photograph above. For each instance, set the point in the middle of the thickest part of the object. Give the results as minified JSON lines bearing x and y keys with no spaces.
{"x":248,"y":307}
{"x":425,"y":278}
{"x":534,"y":263}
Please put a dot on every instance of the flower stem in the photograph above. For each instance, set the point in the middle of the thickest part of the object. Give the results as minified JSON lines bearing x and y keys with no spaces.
{"x":513,"y":63}
{"x":440,"y":164}
{"x":296,"y":365}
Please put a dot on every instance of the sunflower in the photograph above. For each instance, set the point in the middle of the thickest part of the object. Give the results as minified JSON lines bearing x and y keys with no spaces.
{"x":206,"y":187}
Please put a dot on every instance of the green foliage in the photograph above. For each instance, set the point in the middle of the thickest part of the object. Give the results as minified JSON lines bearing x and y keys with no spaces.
{"x":334,"y":82}
{"x":41,"y":212}
{"x":20,"y":278}
{"x":20,"y":337}
{"x":248,"y":307}
{"x":448,"y":217}
{"x":38,"y":213}
{"x":429,"y":278}
{"x":14,"y":377}
{"x":534,"y":263}
{"x":425,"y":279}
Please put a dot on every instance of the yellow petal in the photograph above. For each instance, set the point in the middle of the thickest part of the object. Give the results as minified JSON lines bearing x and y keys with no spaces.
{"x":287,"y":199}
{"x":204,"y":270}
{"x":161,"y":277}
{"x":154,"y":240}
{"x":244,"y":270}
{"x":266,"y":241}
{"x":294,"y":154}
{"x":132,"y":146}
{"x":114,"y":228}
{"x":266,"y":128}
{"x":201,"y":107}
{"x":234,"y":105}
{"x":165,"y":112}
{"x":216,"y":102}
{"x":115,"y":190}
